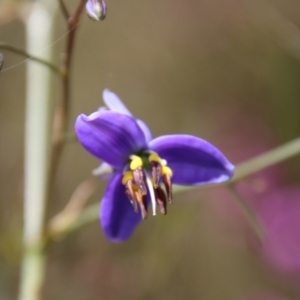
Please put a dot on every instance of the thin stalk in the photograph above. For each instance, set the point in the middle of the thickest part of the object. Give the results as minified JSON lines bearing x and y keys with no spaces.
{"x":248,"y":213}
{"x":70,"y":213}
{"x":30,"y":56}
{"x":61,"y":115}
{"x":267,"y":159}
{"x":39,"y":30}
{"x":64,"y":9}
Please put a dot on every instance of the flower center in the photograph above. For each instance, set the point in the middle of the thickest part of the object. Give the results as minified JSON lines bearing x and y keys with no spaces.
{"x":145,"y":174}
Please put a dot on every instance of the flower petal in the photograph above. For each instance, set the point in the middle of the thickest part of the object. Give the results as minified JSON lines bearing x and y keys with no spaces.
{"x":117,"y":216}
{"x":193,"y":160}
{"x":114,"y":103}
{"x":104,"y":171}
{"x":145,"y":129}
{"x":110,"y":136}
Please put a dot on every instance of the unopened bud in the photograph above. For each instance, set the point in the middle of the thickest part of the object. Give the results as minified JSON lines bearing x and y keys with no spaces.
{"x":1,"y":61}
{"x":96,"y":9}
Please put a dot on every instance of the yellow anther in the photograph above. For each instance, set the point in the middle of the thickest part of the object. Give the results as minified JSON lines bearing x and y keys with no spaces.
{"x":126,"y":177}
{"x":166,"y":171}
{"x":155,"y":157}
{"x":136,"y":162}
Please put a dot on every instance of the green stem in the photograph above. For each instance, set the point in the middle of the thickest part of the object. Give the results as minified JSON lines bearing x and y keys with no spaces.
{"x":267,"y":159}
{"x":33,"y":272}
{"x":21,"y":52}
{"x":37,"y":140}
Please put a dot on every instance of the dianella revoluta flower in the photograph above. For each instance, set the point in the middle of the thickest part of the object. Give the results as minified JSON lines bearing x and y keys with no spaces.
{"x":144,"y":168}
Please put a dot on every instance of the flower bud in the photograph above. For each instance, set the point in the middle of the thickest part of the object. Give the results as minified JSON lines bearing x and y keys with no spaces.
{"x":96,"y":9}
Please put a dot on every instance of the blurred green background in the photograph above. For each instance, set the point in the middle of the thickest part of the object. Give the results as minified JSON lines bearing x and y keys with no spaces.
{"x":225,"y":70}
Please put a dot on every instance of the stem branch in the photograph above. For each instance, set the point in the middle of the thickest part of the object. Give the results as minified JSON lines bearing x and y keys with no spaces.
{"x":22,"y":52}
{"x":64,"y":9}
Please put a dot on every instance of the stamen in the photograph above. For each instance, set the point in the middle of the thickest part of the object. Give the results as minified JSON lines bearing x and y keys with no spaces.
{"x":156,"y":173}
{"x":166,"y":175}
{"x":142,"y":200}
{"x":152,"y":194}
{"x":139,"y":179}
{"x":132,"y":197}
{"x":138,"y":182}
{"x":136,"y":162}
{"x":167,"y":170}
{"x":126,"y":177}
{"x":156,"y":168}
{"x":155,"y":157}
{"x":168,"y":185}
{"x":161,"y":200}
{"x":127,"y":180}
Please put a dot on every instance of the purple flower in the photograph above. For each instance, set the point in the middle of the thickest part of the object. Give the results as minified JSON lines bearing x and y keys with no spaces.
{"x":142,"y":165}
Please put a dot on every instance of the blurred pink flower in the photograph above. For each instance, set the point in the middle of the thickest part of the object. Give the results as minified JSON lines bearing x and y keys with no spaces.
{"x":279,"y":213}
{"x":276,"y":207}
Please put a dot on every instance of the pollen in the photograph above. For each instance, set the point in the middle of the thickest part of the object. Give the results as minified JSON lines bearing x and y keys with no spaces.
{"x":136,"y":162}
{"x":126,"y":177}
{"x":155,"y":157}
{"x":167,"y":171}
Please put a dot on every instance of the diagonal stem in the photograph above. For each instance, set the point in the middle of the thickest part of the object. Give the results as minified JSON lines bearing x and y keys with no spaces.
{"x":22,"y":52}
{"x":267,"y":159}
{"x":64,"y":9}
{"x":248,"y":213}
